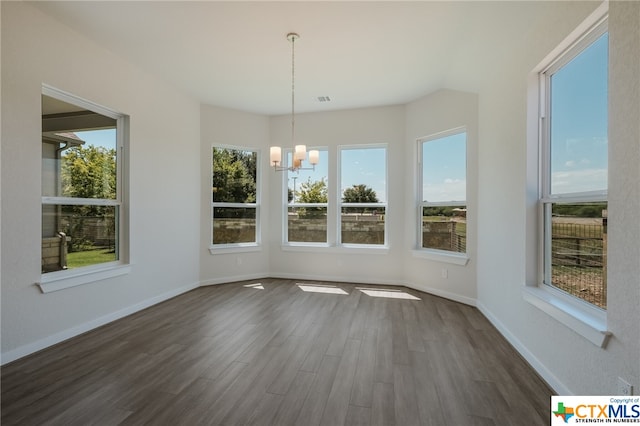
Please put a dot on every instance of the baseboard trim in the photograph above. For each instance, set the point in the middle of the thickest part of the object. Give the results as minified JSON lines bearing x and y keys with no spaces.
{"x":229,"y":280}
{"x":540,"y":368}
{"x":31,"y":348}
{"x":441,"y":293}
{"x":38,"y":345}
{"x":367,"y":280}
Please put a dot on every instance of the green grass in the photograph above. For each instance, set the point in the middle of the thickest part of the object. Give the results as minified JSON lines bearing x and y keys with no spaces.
{"x":90,"y":257}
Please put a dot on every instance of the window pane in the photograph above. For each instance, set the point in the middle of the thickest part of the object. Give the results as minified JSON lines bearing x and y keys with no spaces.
{"x":309,"y":186}
{"x":79,"y":164}
{"x":234,"y":175}
{"x":444,"y":169}
{"x":578,"y":122}
{"x":363,"y":173}
{"x":76,"y":236}
{"x":579,"y":250}
{"x":363,"y":225}
{"x":307,"y":224}
{"x":234,"y":225}
{"x":445,"y":228}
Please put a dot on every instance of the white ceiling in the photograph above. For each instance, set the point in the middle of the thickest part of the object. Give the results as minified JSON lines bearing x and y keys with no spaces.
{"x":236,"y":55}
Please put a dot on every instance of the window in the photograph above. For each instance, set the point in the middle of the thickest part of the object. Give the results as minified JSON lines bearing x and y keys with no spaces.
{"x":307,"y":202}
{"x":573,"y":167}
{"x":363,"y":189}
{"x":443,"y":192}
{"x":83,"y":224}
{"x":235,"y":197}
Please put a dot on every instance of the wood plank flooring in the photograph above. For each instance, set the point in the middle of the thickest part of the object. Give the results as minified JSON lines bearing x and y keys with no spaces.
{"x":273,"y":354}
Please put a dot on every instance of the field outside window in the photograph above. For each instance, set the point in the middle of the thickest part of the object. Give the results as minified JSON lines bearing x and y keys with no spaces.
{"x":363,"y":189}
{"x":443,"y":192}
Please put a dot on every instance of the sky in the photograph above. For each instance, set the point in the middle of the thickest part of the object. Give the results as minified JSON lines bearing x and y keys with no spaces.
{"x":444,"y":162}
{"x":579,"y":122}
{"x":105,"y":138}
{"x":365,"y":166}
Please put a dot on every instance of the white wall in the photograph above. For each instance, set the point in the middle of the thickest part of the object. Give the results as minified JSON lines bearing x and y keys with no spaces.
{"x":568,"y":361}
{"x":164,"y":175}
{"x":624,"y":200}
{"x":229,"y":127}
{"x":332,"y":129}
{"x":397,"y":126}
{"x":439,"y":112}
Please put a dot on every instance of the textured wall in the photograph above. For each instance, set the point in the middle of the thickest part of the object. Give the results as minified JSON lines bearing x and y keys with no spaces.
{"x":164,"y":136}
{"x":567,"y":360}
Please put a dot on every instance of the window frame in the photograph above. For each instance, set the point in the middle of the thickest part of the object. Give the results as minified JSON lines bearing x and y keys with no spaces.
{"x":340,"y":204}
{"x":582,"y":317}
{"x":245,"y":246}
{"x":59,"y":280}
{"x":448,"y":256}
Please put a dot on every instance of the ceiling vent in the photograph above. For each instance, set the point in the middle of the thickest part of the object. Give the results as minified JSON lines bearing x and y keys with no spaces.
{"x":324,"y":99}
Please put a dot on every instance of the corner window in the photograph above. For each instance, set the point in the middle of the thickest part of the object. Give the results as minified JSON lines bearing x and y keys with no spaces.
{"x":363,"y":195}
{"x":573,"y":196}
{"x":443,"y":192}
{"x":83,"y":225}
{"x":307,"y":202}
{"x":234,"y":197}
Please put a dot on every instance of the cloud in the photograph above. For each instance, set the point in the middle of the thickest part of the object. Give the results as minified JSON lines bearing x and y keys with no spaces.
{"x":449,"y":190}
{"x":578,"y":181}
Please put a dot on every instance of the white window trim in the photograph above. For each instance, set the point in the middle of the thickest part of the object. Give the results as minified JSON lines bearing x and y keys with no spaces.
{"x":350,"y":247}
{"x":445,"y":256}
{"x":342,"y":249}
{"x":60,"y":280}
{"x":583,"y":318}
{"x":237,"y":247}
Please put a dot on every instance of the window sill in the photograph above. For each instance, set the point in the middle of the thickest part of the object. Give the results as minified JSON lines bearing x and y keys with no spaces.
{"x":590,"y":323}
{"x":61,"y":280}
{"x":442,"y":256}
{"x":234,"y":248}
{"x":344,"y":249}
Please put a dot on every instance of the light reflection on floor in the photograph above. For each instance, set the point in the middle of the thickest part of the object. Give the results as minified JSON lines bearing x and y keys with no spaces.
{"x":257,"y":286}
{"x":387,"y":293}
{"x":317,"y":288}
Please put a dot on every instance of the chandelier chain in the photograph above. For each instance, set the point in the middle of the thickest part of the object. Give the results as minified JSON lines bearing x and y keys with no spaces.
{"x":293,"y":88}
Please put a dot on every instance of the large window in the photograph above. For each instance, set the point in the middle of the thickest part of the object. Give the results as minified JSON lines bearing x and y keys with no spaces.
{"x":443,"y":192}
{"x":82,"y":185}
{"x":363,"y":192}
{"x":573,"y":196}
{"x":307,"y":202}
{"x":235,"y":196}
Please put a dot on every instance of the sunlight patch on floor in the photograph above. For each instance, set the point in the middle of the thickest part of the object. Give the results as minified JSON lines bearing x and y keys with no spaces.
{"x":317,"y":288}
{"x":388,"y":293}
{"x":258,"y":286}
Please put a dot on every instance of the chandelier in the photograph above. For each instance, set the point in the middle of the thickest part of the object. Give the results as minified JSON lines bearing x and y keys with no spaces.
{"x":299,"y":151}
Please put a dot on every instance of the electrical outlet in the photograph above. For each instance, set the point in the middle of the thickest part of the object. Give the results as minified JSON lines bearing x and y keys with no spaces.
{"x":624,"y":388}
{"x":445,"y":273}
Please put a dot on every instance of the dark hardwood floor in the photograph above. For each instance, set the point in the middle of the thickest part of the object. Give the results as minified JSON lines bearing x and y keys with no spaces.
{"x":273,"y":354}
